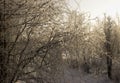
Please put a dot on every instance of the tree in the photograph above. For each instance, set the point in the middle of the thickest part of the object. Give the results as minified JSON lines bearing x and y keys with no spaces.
{"x":108,"y":43}
{"x":23,"y":23}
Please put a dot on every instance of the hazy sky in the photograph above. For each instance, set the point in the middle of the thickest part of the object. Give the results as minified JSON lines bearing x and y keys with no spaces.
{"x":97,"y":7}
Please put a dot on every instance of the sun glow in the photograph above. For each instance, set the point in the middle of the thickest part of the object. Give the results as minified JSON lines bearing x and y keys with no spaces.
{"x":96,"y":8}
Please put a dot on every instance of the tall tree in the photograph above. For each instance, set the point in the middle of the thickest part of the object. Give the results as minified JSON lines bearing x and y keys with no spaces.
{"x":21,"y":41}
{"x":107,"y":30}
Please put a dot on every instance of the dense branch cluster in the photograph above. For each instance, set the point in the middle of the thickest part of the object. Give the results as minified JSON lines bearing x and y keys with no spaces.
{"x":39,"y":39}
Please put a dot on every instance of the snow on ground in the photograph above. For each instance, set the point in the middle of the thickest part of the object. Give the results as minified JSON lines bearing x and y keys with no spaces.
{"x":76,"y":76}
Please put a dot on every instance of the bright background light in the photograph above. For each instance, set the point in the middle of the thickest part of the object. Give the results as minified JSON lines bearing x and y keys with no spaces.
{"x":96,"y":8}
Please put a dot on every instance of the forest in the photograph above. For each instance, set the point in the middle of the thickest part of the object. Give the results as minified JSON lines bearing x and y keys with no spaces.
{"x":43,"y":41}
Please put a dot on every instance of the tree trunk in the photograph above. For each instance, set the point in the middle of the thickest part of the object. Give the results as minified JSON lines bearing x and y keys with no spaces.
{"x":3,"y":69}
{"x":108,"y":48}
{"x":109,"y":67}
{"x":3,"y":45}
{"x":109,"y":58}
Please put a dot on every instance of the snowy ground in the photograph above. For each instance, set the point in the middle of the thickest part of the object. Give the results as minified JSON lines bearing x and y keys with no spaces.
{"x":78,"y":76}
{"x":75,"y":76}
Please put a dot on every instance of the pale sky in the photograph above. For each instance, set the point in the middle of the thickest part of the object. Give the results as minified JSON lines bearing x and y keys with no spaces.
{"x":97,"y":7}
